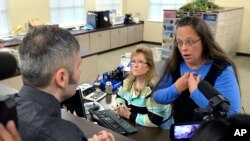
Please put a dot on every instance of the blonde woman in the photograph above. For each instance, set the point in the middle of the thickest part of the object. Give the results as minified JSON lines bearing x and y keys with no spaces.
{"x":134,"y":101}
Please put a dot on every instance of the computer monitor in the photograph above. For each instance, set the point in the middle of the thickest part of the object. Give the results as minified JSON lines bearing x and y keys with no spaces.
{"x":75,"y":104}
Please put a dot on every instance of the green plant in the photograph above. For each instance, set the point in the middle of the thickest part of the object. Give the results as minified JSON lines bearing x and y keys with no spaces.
{"x":199,"y":5}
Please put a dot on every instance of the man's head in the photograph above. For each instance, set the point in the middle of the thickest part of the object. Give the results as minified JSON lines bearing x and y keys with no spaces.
{"x":49,"y":57}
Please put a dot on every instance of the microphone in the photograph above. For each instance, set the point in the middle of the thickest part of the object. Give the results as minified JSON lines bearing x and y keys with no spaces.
{"x":217,"y":102}
{"x":208,"y":90}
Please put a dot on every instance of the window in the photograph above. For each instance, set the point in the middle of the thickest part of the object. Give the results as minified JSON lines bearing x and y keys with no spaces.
{"x":115,"y":6}
{"x":4,"y":16}
{"x":156,"y":8}
{"x":67,"y":13}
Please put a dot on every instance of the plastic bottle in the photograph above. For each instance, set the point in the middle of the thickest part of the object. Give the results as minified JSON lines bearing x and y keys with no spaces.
{"x":108,"y":87}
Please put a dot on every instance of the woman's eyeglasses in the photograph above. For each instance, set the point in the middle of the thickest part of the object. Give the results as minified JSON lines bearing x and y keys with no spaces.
{"x":187,"y":43}
{"x":138,"y":63}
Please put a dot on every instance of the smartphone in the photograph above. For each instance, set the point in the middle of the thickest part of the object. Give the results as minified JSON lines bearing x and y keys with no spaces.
{"x":7,"y":110}
{"x":183,"y":131}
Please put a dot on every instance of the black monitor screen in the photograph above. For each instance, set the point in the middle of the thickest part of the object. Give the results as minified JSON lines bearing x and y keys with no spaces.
{"x":75,"y":103}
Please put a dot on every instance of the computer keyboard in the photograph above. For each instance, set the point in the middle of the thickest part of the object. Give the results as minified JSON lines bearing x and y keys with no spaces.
{"x":107,"y":118}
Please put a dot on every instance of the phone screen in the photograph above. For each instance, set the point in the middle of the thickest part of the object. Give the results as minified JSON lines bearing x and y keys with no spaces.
{"x":185,"y":131}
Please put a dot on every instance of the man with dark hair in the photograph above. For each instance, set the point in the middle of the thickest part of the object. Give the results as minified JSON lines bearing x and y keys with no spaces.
{"x":49,"y":64}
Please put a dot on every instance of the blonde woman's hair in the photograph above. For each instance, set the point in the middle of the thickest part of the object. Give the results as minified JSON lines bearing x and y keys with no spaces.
{"x":152,"y":74}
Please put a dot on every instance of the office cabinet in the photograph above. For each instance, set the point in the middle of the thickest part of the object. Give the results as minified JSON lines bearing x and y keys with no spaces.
{"x":103,"y":39}
{"x":83,"y":40}
{"x":99,"y":41}
{"x":227,"y":29}
{"x":225,"y":25}
{"x":118,"y":37}
{"x":135,"y":33}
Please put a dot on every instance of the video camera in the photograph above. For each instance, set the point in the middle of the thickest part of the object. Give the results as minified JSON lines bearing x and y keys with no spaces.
{"x":218,"y":105}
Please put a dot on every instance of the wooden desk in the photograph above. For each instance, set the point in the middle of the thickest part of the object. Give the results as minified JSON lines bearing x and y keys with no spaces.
{"x":144,"y":133}
{"x":89,"y":128}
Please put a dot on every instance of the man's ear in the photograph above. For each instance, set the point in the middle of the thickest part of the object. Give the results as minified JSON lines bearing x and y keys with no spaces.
{"x":61,"y":77}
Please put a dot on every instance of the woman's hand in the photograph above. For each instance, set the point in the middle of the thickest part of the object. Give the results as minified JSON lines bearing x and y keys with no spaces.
{"x":122,"y":111}
{"x":182,"y":83}
{"x":193,"y":81}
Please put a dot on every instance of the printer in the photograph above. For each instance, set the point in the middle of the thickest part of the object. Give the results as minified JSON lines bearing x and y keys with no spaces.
{"x":98,"y":19}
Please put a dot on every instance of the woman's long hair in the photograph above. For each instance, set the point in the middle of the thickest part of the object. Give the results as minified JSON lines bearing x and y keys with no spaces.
{"x":211,"y":49}
{"x":152,"y":74}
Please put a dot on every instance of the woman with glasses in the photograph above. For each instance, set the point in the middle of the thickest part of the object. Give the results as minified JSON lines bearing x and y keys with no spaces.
{"x":134,"y":101}
{"x":196,"y":57}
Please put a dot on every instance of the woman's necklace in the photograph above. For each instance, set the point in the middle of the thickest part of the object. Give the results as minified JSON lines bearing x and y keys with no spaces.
{"x":139,"y":84}
{"x":137,"y":91}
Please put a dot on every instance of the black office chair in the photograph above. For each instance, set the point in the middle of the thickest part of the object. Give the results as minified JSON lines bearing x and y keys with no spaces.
{"x":8,"y":65}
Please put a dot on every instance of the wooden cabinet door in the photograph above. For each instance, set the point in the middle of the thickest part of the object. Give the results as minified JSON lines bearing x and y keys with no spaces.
{"x":83,"y":40}
{"x":118,"y":37}
{"x":123,"y":36}
{"x":131,"y":34}
{"x":114,"y":38}
{"x":105,"y":40}
{"x":95,"y":43}
{"x":135,"y":34}
{"x":138,"y":33}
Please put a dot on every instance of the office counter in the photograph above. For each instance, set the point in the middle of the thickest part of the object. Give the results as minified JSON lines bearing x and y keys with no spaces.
{"x":14,"y":43}
{"x":5,"y":90}
{"x":89,"y":128}
{"x":144,"y":133}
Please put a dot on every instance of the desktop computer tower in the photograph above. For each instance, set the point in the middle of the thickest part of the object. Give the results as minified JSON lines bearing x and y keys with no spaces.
{"x":98,"y":19}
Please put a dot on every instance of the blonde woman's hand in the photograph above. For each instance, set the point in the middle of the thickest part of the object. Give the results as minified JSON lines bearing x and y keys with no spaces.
{"x":123,"y":111}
